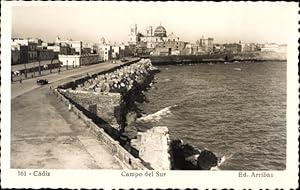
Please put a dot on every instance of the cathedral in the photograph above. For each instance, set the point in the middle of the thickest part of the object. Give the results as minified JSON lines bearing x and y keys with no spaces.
{"x":154,"y":40}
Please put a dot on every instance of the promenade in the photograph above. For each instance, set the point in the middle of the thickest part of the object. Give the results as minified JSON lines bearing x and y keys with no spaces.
{"x":44,"y":134}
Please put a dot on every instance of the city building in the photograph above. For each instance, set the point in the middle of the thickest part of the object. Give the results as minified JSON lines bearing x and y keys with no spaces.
{"x":125,"y":51}
{"x":249,"y":47}
{"x":15,"y":56}
{"x":116,"y":50}
{"x":193,"y":49}
{"x":218,"y":48}
{"x":133,"y":36}
{"x":274,"y":47}
{"x":155,"y":42}
{"x":107,"y":50}
{"x":77,"y":45}
{"x":78,"y":60}
{"x":36,"y":41}
{"x":31,"y":49}
{"x":55,"y":49}
{"x":173,"y":47}
{"x":153,"y":38}
{"x":206,"y":44}
{"x":88,"y":48}
{"x":46,"y":54}
{"x":62,"y":48}
{"x":232,"y":48}
{"x":104,"y":52}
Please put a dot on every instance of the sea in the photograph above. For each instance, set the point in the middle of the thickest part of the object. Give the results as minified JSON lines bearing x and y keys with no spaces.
{"x":236,"y":110}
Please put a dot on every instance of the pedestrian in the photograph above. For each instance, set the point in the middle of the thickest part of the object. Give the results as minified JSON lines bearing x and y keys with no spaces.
{"x":20,"y":80}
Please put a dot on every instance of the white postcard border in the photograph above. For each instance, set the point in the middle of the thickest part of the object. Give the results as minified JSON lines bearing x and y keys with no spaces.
{"x":176,"y":179}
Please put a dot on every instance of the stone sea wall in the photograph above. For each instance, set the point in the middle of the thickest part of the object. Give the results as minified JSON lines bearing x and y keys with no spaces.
{"x":111,"y":96}
{"x":216,"y":58}
{"x":103,"y":108}
{"x":128,"y":160}
{"x":107,"y":102}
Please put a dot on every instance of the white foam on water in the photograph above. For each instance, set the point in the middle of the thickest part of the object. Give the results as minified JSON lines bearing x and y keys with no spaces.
{"x":157,"y":116}
{"x":223,"y":159}
{"x":220,"y":162}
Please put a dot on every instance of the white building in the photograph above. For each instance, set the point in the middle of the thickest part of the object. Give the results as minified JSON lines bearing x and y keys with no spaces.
{"x":55,"y":48}
{"x":274,"y":47}
{"x":77,"y":45}
{"x":116,"y":50}
{"x":78,"y":60}
{"x":105,"y":52}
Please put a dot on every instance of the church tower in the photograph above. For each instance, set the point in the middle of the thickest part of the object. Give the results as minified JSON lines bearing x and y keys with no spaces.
{"x":133,"y":38}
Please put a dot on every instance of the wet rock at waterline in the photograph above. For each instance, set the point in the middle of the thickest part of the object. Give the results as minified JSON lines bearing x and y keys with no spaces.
{"x":187,"y":157}
{"x":206,"y":160}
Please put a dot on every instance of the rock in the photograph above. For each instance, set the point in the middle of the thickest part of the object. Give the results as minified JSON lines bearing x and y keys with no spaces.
{"x":207,"y":160}
{"x":187,"y":157}
{"x":189,"y":150}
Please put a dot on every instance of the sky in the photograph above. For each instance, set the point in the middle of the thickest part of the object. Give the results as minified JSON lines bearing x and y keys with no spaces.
{"x":89,"y":21}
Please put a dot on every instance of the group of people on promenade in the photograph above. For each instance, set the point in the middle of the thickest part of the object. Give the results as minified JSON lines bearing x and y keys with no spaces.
{"x":121,"y":80}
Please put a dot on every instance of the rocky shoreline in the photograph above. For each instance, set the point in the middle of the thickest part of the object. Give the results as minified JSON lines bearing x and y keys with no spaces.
{"x":111,"y":99}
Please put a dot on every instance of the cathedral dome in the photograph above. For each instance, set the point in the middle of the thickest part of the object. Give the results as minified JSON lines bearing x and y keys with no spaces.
{"x":160,"y":31}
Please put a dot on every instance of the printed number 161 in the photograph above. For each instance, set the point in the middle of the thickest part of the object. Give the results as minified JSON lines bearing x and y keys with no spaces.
{"x":21,"y":173}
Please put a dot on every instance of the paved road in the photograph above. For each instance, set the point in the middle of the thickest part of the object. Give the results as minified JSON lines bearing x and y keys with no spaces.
{"x":44,"y":134}
{"x":18,"y":89}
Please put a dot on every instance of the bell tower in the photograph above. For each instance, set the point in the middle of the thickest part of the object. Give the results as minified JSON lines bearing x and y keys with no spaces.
{"x":133,"y":34}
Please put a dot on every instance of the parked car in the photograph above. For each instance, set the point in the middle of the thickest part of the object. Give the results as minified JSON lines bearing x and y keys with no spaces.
{"x":124,"y":60}
{"x":41,"y":81}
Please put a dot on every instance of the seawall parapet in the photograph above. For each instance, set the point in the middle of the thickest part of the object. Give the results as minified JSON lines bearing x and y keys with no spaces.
{"x":114,"y":146}
{"x":218,"y":58}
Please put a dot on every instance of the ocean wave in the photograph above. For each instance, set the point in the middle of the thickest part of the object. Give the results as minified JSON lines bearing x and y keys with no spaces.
{"x":157,"y":116}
